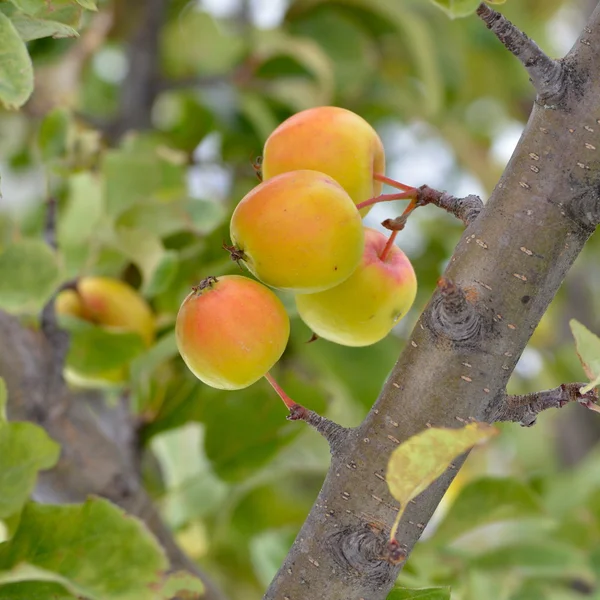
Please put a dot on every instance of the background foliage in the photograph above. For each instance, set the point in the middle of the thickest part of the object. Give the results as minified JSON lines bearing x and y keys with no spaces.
{"x":231,"y":476}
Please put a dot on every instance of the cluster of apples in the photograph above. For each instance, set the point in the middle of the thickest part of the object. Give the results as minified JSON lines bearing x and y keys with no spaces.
{"x":301,"y":230}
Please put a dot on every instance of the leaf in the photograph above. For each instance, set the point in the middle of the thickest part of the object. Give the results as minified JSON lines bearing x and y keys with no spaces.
{"x":97,"y":351}
{"x":28,"y":275}
{"x":34,"y":590}
{"x":53,"y":135}
{"x":25,"y":449}
{"x":180,"y":584}
{"x":588,"y":350}
{"x":422,"y":594}
{"x":89,"y":4}
{"x":93,"y":549}
{"x":32,"y":28}
{"x":16,"y":70}
{"x":544,"y":559}
{"x":163,"y":274}
{"x":419,"y":461}
{"x":457,"y":8}
{"x":484,"y":501}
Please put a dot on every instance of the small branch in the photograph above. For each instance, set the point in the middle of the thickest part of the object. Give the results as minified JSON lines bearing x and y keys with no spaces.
{"x":50,"y":223}
{"x":524,"y":409}
{"x":466,"y":209}
{"x":546,"y":74}
{"x":335,"y":434}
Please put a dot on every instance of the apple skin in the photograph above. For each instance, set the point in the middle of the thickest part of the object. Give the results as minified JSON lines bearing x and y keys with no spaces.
{"x":231,"y":331}
{"x":299,"y":231}
{"x":111,"y":303}
{"x":363,"y":309}
{"x":332,"y":140}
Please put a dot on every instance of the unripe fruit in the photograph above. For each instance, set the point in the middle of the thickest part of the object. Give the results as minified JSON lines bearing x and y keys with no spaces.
{"x":363,"y":309}
{"x":110,"y":303}
{"x":332,"y":140}
{"x":298,"y":231}
{"x":231,"y":330}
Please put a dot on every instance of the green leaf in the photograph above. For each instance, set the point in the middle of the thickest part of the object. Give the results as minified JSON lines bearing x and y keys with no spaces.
{"x":418,"y":462}
{"x":93,"y":549}
{"x":58,"y":12}
{"x":422,"y":594}
{"x":97,"y":351}
{"x":588,"y":350}
{"x":457,"y":8}
{"x":182,"y":585}
{"x":89,"y":4}
{"x":34,"y":590}
{"x":32,"y":28}
{"x":484,"y":501}
{"x":547,"y":559}
{"x":28,"y":275}
{"x":163,"y":274}
{"x":256,"y":425}
{"x":16,"y":70}
{"x":54,"y":132}
{"x":25,"y":449}
{"x":138,"y":174}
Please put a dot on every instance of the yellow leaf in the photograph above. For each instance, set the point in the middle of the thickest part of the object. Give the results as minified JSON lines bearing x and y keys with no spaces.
{"x":419,"y":461}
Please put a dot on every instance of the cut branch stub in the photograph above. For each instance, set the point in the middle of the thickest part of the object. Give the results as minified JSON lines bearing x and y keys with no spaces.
{"x":454,"y":315}
{"x":547,"y":75}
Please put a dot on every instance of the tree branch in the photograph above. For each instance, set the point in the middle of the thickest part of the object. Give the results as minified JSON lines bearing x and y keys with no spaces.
{"x":547,"y":75}
{"x":99,"y":449}
{"x":466,"y":343}
{"x":525,"y":409}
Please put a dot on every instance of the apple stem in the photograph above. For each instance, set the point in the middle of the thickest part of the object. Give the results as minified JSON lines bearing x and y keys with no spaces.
{"x":407,"y":195}
{"x":388,"y":245}
{"x":392,"y":182}
{"x":335,"y":434}
{"x":291,"y":405}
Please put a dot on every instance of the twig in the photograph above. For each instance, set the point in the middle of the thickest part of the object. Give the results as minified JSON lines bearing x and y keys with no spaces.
{"x":466,"y":209}
{"x":50,"y":223}
{"x":547,"y":75}
{"x":524,"y":409}
{"x":331,"y":431}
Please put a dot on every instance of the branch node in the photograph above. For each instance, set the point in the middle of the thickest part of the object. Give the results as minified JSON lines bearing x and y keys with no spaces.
{"x":334,"y":434}
{"x":393,"y":553}
{"x":546,"y":74}
{"x":525,"y":409}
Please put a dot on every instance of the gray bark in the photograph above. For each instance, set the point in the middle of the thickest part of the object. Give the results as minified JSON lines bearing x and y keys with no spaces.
{"x":509,"y":264}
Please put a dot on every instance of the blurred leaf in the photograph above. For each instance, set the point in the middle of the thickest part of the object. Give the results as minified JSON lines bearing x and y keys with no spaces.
{"x":89,"y":4}
{"x":104,"y":553}
{"x":547,"y":559}
{"x":31,"y":28}
{"x":418,"y":462}
{"x":25,"y":449}
{"x":53,"y":134}
{"x":136,"y":175}
{"x":97,"y":351}
{"x":484,"y":501}
{"x":166,"y":218}
{"x":209,"y":48}
{"x":588,"y":350}
{"x":268,"y":551}
{"x":28,"y":275}
{"x":65,"y":12}
{"x":34,"y":590}
{"x":256,"y":424}
{"x":16,"y":70}
{"x":192,"y":490}
{"x":182,"y":585}
{"x":163,"y":274}
{"x":457,"y":8}
{"x":422,"y":594}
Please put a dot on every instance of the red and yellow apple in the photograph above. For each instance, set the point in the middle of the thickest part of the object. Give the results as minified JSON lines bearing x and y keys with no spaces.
{"x":231,"y":330}
{"x":298,"y":231}
{"x":332,"y":140}
{"x":363,"y":309}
